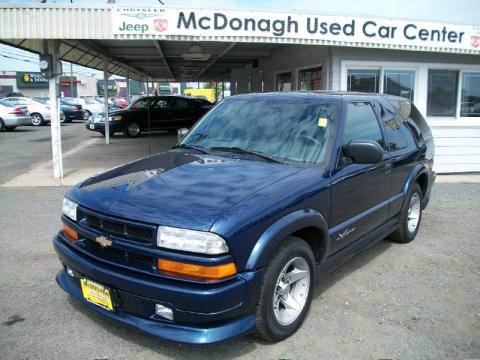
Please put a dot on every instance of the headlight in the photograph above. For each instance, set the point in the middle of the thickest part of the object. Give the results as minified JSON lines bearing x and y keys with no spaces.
{"x":115,"y":118}
{"x":69,"y":209}
{"x":190,"y":240}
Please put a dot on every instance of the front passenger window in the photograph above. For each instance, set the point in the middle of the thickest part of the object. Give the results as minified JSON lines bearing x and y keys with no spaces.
{"x":361,"y":123}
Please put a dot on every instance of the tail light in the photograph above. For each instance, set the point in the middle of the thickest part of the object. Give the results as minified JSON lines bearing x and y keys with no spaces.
{"x":17,"y":111}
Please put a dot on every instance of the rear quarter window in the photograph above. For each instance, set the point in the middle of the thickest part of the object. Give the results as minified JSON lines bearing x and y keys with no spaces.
{"x":410,"y":114}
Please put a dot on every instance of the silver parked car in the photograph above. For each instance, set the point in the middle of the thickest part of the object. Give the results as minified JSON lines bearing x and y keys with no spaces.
{"x":13,"y":116}
{"x":39,"y":113}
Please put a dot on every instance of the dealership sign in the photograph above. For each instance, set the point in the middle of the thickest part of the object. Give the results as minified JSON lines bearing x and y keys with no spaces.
{"x":343,"y":29}
{"x":30,"y":80}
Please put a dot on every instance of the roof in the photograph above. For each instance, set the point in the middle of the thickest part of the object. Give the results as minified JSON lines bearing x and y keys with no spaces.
{"x":316,"y":93}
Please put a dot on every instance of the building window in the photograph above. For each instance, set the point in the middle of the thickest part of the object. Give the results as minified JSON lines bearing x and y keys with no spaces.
{"x":363,"y":80}
{"x":399,"y":83}
{"x":442,"y":92}
{"x":470,"y":105}
{"x":310,"y":79}
{"x":284,"y":81}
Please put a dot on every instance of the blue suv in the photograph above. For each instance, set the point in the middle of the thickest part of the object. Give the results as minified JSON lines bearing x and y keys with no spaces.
{"x":227,"y":232}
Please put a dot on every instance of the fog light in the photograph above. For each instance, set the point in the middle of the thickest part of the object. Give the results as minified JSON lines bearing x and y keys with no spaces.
{"x":164,"y":311}
{"x":70,"y":272}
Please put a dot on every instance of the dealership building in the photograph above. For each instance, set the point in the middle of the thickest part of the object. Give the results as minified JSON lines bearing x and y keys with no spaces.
{"x":436,"y":65}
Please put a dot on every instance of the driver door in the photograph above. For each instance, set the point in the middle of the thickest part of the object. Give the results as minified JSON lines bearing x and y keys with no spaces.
{"x":360,"y":192}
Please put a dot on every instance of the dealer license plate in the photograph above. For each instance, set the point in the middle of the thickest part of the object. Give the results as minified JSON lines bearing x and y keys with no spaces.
{"x":92,"y":126}
{"x":96,"y":294}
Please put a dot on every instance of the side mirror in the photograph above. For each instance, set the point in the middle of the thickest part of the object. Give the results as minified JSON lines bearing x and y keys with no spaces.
{"x":363,"y":151}
{"x":181,"y":133}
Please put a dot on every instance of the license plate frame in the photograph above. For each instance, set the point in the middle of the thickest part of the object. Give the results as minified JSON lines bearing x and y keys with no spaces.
{"x":97,"y":294}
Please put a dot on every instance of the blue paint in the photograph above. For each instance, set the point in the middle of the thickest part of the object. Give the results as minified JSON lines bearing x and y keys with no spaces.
{"x":252,"y":203}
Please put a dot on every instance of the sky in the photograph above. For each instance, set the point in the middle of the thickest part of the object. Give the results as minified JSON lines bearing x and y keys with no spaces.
{"x":449,"y":11}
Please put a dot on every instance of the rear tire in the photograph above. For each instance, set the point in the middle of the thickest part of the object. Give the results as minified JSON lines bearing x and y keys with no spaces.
{"x":2,"y":125}
{"x":286,"y":291}
{"x":37,"y":119}
{"x":410,"y":217}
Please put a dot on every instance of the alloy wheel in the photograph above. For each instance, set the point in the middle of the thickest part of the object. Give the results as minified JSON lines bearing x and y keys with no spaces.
{"x":291,"y":291}
{"x":413,"y":215}
{"x":37,"y":120}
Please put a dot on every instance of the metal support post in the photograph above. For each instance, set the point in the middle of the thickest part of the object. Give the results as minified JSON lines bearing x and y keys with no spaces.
{"x":105,"y":94}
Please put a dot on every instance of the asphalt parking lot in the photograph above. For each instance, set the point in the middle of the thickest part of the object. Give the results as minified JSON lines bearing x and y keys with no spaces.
{"x":415,"y":301}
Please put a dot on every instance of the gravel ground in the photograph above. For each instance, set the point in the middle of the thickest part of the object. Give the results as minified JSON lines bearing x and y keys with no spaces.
{"x":413,"y":301}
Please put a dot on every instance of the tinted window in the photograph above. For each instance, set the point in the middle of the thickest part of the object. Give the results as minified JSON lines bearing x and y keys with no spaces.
{"x":442,"y":92}
{"x":287,"y":128}
{"x":160,"y":104}
{"x":182,"y":104}
{"x":399,"y":138}
{"x":361,"y":123}
{"x":140,"y":104}
{"x":409,"y":113}
{"x":363,"y":80}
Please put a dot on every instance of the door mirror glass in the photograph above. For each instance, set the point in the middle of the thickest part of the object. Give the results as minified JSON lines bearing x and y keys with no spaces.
{"x":363,"y":151}
{"x":181,"y":133}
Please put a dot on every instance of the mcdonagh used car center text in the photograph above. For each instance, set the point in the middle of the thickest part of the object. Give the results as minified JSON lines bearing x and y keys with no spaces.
{"x":435,"y":65}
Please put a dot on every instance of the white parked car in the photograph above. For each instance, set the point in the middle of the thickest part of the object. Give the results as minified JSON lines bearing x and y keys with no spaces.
{"x":13,"y":116}
{"x":39,"y":113}
{"x":89,"y":105}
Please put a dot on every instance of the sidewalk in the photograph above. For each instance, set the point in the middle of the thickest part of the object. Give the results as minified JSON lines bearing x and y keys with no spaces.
{"x":92,"y":157}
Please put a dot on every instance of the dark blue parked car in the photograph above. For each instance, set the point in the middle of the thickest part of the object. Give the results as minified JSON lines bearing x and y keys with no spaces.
{"x":226,"y":233}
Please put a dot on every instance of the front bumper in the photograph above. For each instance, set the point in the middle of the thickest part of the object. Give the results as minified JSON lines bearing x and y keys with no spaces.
{"x":203,"y":313}
{"x":100,"y":126}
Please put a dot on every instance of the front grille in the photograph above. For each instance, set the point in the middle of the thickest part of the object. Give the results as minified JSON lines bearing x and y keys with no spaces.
{"x":114,"y":253}
{"x":137,"y":233}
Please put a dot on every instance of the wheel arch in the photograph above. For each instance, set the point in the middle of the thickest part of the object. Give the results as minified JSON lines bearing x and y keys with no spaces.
{"x":420,"y":175}
{"x":307,"y":224}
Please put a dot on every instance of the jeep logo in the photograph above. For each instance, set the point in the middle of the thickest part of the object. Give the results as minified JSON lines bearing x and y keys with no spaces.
{"x":134,"y":28}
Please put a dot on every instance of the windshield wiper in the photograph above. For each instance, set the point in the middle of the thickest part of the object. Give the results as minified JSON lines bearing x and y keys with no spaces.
{"x":194,"y":147}
{"x":246,"y":151}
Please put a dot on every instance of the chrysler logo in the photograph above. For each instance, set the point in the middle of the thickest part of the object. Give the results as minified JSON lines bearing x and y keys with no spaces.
{"x":103,"y":241}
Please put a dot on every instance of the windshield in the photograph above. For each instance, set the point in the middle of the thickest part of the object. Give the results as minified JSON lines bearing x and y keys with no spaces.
{"x":296,"y":129}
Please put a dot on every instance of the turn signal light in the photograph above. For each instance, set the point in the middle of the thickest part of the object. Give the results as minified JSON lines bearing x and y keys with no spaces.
{"x":216,"y":272}
{"x":72,"y":234}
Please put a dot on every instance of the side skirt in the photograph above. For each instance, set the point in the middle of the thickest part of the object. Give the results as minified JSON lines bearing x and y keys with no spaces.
{"x":341,"y":257}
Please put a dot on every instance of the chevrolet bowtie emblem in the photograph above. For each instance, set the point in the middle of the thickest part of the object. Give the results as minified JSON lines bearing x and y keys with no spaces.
{"x":103,"y":241}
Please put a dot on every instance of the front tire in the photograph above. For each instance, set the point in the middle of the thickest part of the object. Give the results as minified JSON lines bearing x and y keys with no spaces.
{"x":286,"y":291}
{"x":133,"y":130}
{"x":410,"y":218}
{"x":37,"y":119}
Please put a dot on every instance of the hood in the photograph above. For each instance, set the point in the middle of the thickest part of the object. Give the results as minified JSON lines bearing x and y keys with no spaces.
{"x":177,"y":189}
